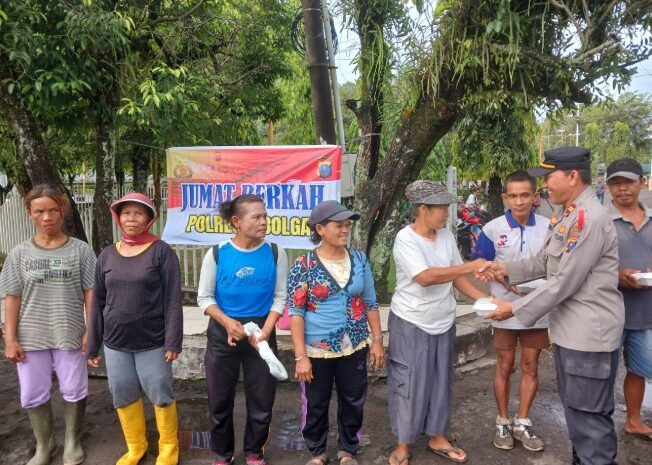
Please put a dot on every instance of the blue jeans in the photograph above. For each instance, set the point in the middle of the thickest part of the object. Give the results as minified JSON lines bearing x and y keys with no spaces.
{"x":637,"y":351}
{"x":130,"y":373}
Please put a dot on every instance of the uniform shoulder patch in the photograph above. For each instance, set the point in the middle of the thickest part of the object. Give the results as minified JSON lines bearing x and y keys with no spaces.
{"x":573,"y":237}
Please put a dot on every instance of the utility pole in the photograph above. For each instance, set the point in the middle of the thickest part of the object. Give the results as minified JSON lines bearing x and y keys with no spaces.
{"x":320,"y":92}
{"x":333,"y":74}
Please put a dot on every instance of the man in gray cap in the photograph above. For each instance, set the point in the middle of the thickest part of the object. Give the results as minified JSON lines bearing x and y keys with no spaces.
{"x":580,"y":263}
{"x":422,"y":324}
{"x":633,"y":222}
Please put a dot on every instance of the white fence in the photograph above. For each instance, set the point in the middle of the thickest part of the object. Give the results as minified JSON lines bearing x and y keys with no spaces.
{"x":16,"y":227}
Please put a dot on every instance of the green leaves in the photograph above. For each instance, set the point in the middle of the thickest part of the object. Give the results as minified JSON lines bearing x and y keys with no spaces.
{"x":614,"y":127}
{"x":160,"y":73}
{"x":442,"y":7}
{"x":495,"y":136}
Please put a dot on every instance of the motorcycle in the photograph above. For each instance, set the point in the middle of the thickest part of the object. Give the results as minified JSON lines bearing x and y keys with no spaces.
{"x":468,"y":228}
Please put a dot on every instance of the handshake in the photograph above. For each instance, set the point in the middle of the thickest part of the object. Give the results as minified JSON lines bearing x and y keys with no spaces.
{"x":486,"y":271}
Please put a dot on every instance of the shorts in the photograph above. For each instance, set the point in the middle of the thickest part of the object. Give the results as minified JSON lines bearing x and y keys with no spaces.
{"x":505,"y":339}
{"x":637,"y":351}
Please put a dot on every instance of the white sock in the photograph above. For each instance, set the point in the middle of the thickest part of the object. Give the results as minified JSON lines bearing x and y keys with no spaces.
{"x":522,"y":422}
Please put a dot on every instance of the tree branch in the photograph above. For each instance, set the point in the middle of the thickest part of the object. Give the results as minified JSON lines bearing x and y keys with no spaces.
{"x":604,"y":15}
{"x":258,"y":69}
{"x":563,"y":7}
{"x":180,"y":17}
{"x":587,"y":16}
{"x":353,"y":105}
{"x":594,"y":51}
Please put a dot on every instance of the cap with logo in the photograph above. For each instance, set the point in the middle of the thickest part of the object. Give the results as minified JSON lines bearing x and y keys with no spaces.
{"x":429,"y":193}
{"x":562,"y":158}
{"x":625,"y":168}
{"x":330,"y":210}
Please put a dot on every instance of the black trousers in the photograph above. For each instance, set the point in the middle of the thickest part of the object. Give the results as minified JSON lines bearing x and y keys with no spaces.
{"x":350,"y":376}
{"x":222,"y":364}
{"x":585,"y":381}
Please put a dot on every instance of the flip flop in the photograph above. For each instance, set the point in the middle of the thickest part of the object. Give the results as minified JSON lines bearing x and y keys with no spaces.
{"x":642,"y":436}
{"x":398,"y":460}
{"x":323,"y":459}
{"x":347,"y":460}
{"x":445,"y":453}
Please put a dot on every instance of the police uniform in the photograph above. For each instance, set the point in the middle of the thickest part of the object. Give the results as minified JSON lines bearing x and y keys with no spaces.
{"x":586,"y":312}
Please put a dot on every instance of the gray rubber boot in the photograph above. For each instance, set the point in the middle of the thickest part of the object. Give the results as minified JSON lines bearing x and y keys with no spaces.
{"x":42,"y":425}
{"x":73,"y":454}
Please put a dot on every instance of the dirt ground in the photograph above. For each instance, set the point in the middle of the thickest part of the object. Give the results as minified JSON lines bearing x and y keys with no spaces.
{"x":472,"y":425}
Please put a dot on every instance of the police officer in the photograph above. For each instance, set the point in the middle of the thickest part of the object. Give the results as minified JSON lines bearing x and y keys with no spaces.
{"x":580,"y":263}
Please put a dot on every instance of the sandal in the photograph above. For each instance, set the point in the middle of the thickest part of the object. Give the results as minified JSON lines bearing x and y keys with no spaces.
{"x":394,"y":459}
{"x":224,"y":462}
{"x":642,"y":436}
{"x":255,"y":461}
{"x":346,"y":458}
{"x":318,"y":460}
{"x":445,"y":453}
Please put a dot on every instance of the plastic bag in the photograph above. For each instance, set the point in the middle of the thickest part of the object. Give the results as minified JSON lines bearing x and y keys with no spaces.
{"x":284,"y":321}
{"x":276,"y":368}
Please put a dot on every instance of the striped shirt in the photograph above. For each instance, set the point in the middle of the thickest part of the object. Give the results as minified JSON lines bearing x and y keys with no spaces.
{"x":51,"y":284}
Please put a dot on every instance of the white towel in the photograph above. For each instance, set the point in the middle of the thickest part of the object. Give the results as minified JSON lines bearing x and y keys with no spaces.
{"x":276,"y":368}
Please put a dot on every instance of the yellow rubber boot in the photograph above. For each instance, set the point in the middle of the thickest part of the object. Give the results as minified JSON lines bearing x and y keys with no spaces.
{"x":168,"y":426}
{"x":132,"y":420}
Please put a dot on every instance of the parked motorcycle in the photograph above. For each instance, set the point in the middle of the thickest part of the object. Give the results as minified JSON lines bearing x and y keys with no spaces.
{"x":468,"y":228}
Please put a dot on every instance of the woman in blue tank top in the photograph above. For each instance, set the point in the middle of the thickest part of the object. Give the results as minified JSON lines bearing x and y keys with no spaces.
{"x":241,"y":280}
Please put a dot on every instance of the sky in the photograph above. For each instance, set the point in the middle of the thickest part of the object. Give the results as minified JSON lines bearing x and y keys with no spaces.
{"x":348,"y":46}
{"x":642,"y":81}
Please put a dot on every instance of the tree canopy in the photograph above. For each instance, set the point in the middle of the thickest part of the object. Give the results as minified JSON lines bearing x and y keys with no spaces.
{"x":115,"y":82}
{"x":552,"y":53}
{"x":612,"y":128}
{"x":109,"y":76}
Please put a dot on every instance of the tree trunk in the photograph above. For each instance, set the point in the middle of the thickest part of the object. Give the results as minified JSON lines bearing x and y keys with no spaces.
{"x":156,"y":175}
{"x":371,"y":17}
{"x":495,"y":200}
{"x":20,"y":177}
{"x":34,"y":157}
{"x":140,"y":168}
{"x":104,"y":159}
{"x":5,"y":190}
{"x":120,"y":180}
{"x":378,"y":199}
{"x":381,"y":181}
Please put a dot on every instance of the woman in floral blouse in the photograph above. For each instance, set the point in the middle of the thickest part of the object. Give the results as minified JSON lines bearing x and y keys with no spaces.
{"x":332,"y":304}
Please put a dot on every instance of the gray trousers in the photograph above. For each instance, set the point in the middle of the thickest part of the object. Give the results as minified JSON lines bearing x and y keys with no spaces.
{"x":585,"y":381}
{"x":130,"y":373}
{"x":420,"y":380}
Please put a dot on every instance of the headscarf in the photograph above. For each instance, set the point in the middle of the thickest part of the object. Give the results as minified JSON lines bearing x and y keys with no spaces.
{"x":144,"y":237}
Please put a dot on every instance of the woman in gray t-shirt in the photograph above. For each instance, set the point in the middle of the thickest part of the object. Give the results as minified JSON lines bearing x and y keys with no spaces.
{"x":48,"y":281}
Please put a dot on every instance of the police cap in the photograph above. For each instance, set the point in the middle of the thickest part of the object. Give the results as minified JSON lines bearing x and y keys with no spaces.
{"x":562,"y":158}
